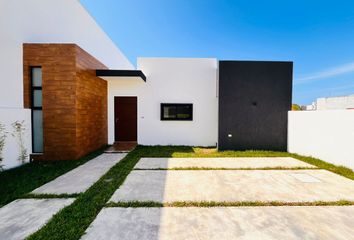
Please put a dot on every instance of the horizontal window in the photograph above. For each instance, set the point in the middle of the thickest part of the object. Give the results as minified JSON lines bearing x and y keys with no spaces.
{"x":177,"y":111}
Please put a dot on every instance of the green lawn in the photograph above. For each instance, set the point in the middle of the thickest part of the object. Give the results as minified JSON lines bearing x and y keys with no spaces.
{"x":17,"y":182}
{"x":71,"y":222}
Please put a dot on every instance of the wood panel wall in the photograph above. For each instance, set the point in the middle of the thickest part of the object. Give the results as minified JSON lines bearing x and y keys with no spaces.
{"x":74,"y":99}
{"x":91,"y":104}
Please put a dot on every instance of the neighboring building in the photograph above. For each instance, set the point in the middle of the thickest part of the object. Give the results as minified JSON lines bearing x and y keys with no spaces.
{"x":332,"y":103}
{"x":75,"y":91}
{"x":309,"y":107}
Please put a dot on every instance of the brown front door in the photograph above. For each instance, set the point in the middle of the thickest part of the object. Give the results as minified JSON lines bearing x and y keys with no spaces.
{"x":125,"y":117}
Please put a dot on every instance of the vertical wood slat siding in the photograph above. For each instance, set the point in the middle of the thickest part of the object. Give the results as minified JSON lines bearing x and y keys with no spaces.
{"x":74,"y":99}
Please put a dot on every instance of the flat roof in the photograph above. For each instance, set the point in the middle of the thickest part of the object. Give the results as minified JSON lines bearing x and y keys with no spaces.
{"x":110,"y":73}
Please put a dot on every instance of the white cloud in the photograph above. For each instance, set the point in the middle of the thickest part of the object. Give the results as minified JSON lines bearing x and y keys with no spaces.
{"x":347,"y":68}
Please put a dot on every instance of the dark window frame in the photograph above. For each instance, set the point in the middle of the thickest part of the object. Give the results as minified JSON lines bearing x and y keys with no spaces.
{"x":32,"y":89}
{"x":162,"y":118}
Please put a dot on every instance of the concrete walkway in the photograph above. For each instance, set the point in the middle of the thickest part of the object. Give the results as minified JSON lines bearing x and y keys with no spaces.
{"x":23,"y":217}
{"x":244,"y":223}
{"x":250,"y":162}
{"x":234,"y":185}
{"x":82,"y":177}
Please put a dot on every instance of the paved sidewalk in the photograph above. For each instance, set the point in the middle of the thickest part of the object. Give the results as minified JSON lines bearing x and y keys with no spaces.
{"x":23,"y":217}
{"x":82,"y":177}
{"x":250,"y":162}
{"x":244,"y":223}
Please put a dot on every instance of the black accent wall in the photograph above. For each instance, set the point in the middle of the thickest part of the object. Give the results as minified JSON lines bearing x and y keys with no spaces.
{"x":254,"y":100}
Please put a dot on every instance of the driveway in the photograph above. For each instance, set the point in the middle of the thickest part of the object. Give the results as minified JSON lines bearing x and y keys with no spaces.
{"x":173,"y":183}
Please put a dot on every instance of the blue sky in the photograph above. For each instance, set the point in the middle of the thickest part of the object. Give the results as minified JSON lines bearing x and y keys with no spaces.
{"x":318,"y":36}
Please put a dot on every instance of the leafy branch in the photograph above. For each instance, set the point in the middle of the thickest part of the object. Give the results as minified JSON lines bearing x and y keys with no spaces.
{"x":18,"y":134}
{"x":2,"y":143}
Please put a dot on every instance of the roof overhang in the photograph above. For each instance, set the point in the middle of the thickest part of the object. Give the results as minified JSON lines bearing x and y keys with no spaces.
{"x":108,"y":74}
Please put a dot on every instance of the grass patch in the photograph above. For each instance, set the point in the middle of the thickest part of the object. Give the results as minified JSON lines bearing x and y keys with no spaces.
{"x":201,"y":152}
{"x":341,"y":170}
{"x":210,"y":168}
{"x":137,"y":204}
{"x":72,"y":221}
{"x":185,"y":151}
{"x":45,"y":196}
{"x":17,"y":182}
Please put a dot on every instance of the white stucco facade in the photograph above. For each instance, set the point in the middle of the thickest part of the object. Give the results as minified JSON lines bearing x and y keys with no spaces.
{"x":327,"y":135}
{"x":171,"y":80}
{"x":43,"y":21}
{"x":47,"y":21}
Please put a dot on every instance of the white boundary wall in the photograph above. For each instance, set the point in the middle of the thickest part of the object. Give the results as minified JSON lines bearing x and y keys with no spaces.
{"x":11,"y":150}
{"x":171,"y":80}
{"x":327,"y":135}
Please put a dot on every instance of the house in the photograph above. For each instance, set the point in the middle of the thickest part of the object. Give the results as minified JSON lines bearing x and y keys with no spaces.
{"x":332,"y":103}
{"x":75,"y":91}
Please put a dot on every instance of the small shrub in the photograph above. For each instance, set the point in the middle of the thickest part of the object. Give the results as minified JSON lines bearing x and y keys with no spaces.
{"x":295,"y":107}
{"x":2,"y":144}
{"x":18,"y":133}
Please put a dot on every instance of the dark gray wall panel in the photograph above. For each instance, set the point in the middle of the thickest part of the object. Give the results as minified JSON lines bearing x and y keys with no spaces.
{"x":254,"y":98}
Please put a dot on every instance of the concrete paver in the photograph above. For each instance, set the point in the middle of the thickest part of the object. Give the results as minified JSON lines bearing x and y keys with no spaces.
{"x":234,"y":185}
{"x":250,"y":162}
{"x":81,"y":178}
{"x":244,"y":223}
{"x":23,"y":217}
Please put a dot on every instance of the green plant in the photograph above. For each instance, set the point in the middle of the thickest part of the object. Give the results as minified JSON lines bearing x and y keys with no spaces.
{"x":18,"y":134}
{"x":295,"y":107}
{"x":2,"y":143}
